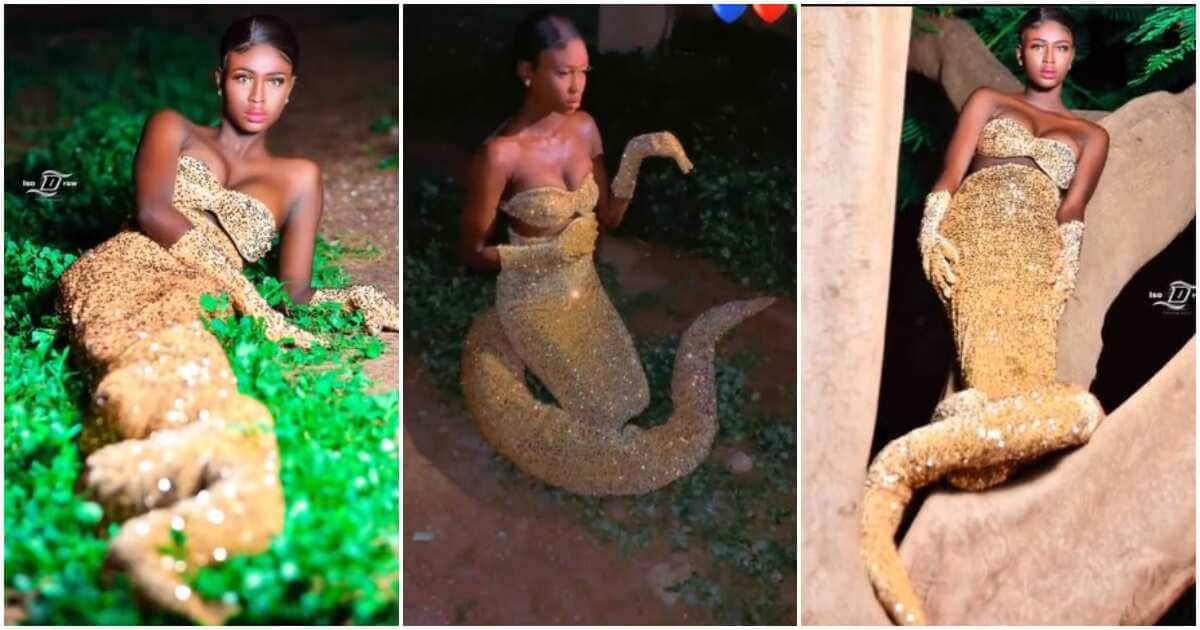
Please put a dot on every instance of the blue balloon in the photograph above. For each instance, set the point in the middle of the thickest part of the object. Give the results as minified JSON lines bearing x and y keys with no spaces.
{"x":729,"y":12}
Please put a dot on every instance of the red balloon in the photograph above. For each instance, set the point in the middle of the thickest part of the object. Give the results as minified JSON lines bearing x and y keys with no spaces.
{"x":770,"y":12}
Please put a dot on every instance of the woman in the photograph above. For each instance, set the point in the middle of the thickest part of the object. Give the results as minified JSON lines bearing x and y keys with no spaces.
{"x":544,"y":168}
{"x":171,"y":443}
{"x":1002,"y":254}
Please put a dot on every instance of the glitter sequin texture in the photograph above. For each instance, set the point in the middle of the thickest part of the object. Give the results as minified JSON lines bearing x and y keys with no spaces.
{"x":249,"y":223}
{"x":553,"y":317}
{"x":531,"y":206}
{"x":1005,"y":137}
{"x":378,"y":311}
{"x":169,"y":441}
{"x":1004,"y":310}
{"x":637,"y":149}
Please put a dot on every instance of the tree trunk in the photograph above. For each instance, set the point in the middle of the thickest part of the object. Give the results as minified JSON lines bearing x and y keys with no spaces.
{"x":624,"y":29}
{"x":853,"y":101}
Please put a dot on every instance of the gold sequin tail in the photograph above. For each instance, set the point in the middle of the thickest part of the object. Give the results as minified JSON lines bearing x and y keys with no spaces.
{"x":168,"y":439}
{"x":984,"y":439}
{"x":186,"y":452}
{"x":581,"y":454}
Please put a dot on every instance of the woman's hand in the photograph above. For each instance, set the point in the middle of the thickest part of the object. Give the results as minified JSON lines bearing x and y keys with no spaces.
{"x":658,"y":144}
{"x":379,"y":313}
{"x":579,"y":238}
{"x":1066,"y":264}
{"x":196,"y":251}
{"x":938,"y":254}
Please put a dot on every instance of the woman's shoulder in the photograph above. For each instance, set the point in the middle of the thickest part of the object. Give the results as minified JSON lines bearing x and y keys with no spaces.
{"x":302,"y":174}
{"x":169,"y":124}
{"x":497,"y":150}
{"x":175,"y":118}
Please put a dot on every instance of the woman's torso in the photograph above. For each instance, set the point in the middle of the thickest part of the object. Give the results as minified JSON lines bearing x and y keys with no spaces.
{"x":1044,"y":127}
{"x":267,"y":179}
{"x":550,"y":167}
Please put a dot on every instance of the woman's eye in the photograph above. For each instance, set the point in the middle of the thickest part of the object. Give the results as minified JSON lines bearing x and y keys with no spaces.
{"x":277,"y":82}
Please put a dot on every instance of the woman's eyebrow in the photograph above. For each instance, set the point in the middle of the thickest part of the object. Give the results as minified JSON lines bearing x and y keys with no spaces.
{"x":253,"y":72}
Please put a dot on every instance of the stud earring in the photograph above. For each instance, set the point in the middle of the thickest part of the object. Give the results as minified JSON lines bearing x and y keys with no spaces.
{"x":526,"y":82}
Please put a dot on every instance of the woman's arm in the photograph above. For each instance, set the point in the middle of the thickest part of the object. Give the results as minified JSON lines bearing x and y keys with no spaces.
{"x":154,"y":169}
{"x":300,"y":233}
{"x":971,"y":119}
{"x":609,"y":209}
{"x":486,"y":178}
{"x":1087,"y":175}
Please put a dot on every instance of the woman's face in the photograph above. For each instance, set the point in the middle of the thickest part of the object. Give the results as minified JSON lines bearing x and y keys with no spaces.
{"x":1046,"y":52}
{"x":560,"y":76}
{"x":255,"y":87}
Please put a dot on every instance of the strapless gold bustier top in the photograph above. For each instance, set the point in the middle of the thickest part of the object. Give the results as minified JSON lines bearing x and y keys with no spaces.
{"x":1004,"y":137}
{"x":550,"y":206}
{"x":247,"y":221}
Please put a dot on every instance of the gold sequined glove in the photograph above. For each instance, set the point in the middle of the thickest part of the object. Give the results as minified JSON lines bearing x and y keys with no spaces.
{"x":195,"y":250}
{"x":661,"y":144}
{"x":938,"y":254}
{"x":1066,"y":265}
{"x":379,"y":313}
{"x":576,"y":241}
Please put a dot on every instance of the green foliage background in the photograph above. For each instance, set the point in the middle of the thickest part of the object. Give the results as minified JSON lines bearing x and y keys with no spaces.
{"x":337,"y":559}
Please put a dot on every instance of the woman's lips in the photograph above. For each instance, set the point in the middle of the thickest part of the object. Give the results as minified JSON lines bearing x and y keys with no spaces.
{"x":256,"y":116}
{"x":1049,"y":74}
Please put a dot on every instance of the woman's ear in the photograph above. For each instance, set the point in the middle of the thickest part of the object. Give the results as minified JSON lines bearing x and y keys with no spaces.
{"x":217,"y":79}
{"x":525,"y":71}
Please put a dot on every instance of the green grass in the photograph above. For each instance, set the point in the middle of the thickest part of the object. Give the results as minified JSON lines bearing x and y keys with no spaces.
{"x":337,"y":558}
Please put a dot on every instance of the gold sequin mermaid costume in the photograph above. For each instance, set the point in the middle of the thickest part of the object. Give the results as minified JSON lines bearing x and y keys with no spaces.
{"x":1004,"y":309}
{"x":170,"y":442}
{"x":553,"y":317}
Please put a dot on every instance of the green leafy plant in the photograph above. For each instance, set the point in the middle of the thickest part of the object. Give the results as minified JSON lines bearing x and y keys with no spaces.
{"x":1181,"y":20}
